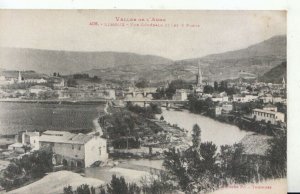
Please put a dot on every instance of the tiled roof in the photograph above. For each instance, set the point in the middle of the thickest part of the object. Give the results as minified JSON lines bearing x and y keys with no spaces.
{"x":266,"y":111}
{"x":64,"y":137}
{"x":81,"y":138}
{"x":32,"y":133}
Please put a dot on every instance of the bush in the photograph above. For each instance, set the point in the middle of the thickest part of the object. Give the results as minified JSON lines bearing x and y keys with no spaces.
{"x":19,"y":171}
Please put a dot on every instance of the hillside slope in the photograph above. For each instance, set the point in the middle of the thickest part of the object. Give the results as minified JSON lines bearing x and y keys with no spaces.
{"x":257,"y":59}
{"x":275,"y":75}
{"x":49,"y":61}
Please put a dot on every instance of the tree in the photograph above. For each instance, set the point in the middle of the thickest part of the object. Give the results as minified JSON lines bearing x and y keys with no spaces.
{"x":208,"y":152}
{"x":71,"y":82}
{"x":277,"y":154}
{"x":175,"y":165}
{"x":159,"y":182}
{"x":162,"y":118}
{"x":223,"y":86}
{"x":208,"y":89}
{"x":142,"y":83}
{"x":216,"y":86}
{"x":68,"y":190}
{"x":196,"y":136}
{"x":85,"y":189}
{"x":33,"y":165}
{"x":118,"y":185}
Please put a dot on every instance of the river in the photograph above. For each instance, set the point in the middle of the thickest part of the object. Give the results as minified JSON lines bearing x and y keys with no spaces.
{"x":211,"y":130}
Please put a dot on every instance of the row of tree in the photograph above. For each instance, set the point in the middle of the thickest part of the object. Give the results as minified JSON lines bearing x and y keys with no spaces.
{"x":156,"y":183}
{"x":201,"y":169}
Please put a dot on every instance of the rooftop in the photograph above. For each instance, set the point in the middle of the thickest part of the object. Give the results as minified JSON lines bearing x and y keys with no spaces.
{"x":266,"y":111}
{"x":64,"y":137}
{"x":32,"y":133}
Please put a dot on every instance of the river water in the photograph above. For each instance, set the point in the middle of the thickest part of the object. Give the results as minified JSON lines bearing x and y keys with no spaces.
{"x":211,"y":130}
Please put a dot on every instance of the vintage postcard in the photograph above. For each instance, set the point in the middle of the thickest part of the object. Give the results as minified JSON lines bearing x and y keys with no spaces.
{"x":143,"y":102}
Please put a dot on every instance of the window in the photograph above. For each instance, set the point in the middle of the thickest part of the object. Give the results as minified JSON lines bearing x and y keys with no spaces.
{"x":79,"y":147}
{"x":72,"y":147}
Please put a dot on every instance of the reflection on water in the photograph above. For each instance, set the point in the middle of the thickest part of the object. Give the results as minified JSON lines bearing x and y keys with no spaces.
{"x":211,"y":130}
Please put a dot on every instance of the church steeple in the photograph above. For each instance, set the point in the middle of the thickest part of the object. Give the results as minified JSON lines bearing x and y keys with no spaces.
{"x":283,"y":82}
{"x":199,"y":76}
{"x":20,"y":77}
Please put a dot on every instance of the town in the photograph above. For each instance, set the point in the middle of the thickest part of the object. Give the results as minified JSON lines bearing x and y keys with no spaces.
{"x":197,"y":105}
{"x":251,"y":105}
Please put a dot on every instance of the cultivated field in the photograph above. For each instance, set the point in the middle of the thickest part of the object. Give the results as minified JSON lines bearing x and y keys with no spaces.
{"x":15,"y":117}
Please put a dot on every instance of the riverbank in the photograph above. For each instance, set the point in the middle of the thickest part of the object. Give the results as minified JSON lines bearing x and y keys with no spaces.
{"x":56,"y":101}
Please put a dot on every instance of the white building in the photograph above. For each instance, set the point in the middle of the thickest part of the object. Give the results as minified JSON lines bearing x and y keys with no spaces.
{"x":38,"y":88}
{"x":270,"y":107}
{"x":75,"y":150}
{"x":267,"y":116}
{"x":31,"y":139}
{"x":244,"y":98}
{"x":180,"y":94}
{"x":227,"y":107}
{"x":30,"y":80}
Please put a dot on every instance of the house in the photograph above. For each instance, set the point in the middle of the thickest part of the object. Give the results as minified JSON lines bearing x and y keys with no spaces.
{"x":218,"y":110}
{"x":180,"y":94}
{"x":267,"y":98}
{"x":17,"y":147}
{"x":78,"y":93}
{"x":31,"y":139}
{"x":57,"y":82}
{"x":74,"y":150}
{"x":278,"y":99}
{"x":267,"y":116}
{"x":38,"y":89}
{"x":270,"y":107}
{"x":6,"y":80}
{"x":227,"y":107}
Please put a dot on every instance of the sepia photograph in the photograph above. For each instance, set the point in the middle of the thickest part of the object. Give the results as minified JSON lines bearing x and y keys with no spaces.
{"x":143,"y":101}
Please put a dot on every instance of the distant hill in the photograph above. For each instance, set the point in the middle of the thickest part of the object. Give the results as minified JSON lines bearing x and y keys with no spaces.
{"x":49,"y":61}
{"x":250,"y":62}
{"x":256,"y":59}
{"x":275,"y":75}
{"x":24,"y":74}
{"x":247,"y":63}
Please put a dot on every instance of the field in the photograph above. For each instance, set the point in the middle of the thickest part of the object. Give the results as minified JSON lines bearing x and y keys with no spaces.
{"x":16,"y":117}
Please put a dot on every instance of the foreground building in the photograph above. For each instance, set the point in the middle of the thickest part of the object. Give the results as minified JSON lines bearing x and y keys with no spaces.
{"x":31,"y":139}
{"x":268,"y":116}
{"x":74,"y":150}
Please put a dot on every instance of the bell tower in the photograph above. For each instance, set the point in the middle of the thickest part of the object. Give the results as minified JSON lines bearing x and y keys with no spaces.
{"x":19,"y":77}
{"x":199,"y":76}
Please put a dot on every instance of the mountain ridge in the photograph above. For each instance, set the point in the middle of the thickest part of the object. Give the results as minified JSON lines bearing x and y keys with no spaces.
{"x":255,"y":59}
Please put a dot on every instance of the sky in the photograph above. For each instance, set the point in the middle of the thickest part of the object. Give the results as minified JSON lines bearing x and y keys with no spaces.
{"x":81,"y":30}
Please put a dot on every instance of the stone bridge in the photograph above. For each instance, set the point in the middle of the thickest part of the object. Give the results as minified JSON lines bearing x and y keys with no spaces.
{"x":145,"y":93}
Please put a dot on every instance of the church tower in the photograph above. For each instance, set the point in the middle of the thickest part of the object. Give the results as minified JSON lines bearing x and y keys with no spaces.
{"x":283,"y":83}
{"x":199,"y":76}
{"x":19,"y":77}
